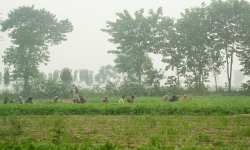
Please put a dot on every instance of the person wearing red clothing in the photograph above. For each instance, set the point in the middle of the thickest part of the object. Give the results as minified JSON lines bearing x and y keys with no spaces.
{"x":105,"y":100}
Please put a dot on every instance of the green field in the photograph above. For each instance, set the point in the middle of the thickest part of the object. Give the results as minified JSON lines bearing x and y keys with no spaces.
{"x":199,"y":123}
{"x":143,"y":105}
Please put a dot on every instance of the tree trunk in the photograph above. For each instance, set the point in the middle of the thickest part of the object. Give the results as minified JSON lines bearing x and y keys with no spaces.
{"x":230,"y":79}
{"x":215,"y":79}
{"x":229,"y":70}
{"x":178,"y":80}
{"x":139,"y":77}
{"x":26,"y":88}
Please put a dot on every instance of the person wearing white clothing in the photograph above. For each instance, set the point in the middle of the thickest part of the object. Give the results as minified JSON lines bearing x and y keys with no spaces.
{"x":122,"y":100}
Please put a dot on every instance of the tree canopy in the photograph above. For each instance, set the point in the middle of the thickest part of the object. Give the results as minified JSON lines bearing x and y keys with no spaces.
{"x":31,"y":31}
{"x":135,"y":38}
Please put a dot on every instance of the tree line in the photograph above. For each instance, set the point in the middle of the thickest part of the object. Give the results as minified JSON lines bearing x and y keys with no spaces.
{"x":203,"y":42}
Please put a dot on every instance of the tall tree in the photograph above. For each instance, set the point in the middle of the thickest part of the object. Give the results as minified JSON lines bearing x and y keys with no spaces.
{"x":86,"y":76}
{"x":193,"y":25}
{"x":56,"y":75}
{"x":106,"y":74}
{"x":174,"y":53}
{"x":66,"y":76}
{"x":90,"y":80}
{"x":75,"y":75}
{"x":215,"y":64}
{"x":135,"y":38}
{"x":31,"y":31}
{"x":83,"y":75}
{"x":50,"y":76}
{"x":6,"y":77}
{"x":152,"y":76}
{"x":228,"y":20}
{"x":17,"y":85}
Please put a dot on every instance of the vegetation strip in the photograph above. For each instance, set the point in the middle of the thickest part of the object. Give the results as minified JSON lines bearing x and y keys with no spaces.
{"x":130,"y":131}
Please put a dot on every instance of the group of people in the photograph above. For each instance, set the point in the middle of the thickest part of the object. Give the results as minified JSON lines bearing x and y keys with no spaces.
{"x":19,"y":100}
{"x":82,"y":100}
{"x":76,"y":99}
{"x":122,"y":100}
{"x":174,"y":98}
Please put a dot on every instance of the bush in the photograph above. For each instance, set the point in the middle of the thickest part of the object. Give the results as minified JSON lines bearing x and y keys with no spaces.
{"x":128,"y":99}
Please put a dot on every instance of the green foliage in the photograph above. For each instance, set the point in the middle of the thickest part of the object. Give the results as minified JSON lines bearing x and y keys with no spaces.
{"x":143,"y":105}
{"x":246,"y":86}
{"x":66,"y":76}
{"x":11,"y":101}
{"x":32,"y":31}
{"x":153,"y":76}
{"x":247,"y":132}
{"x":226,"y":22}
{"x":135,"y":39}
{"x":86,"y":76}
{"x":128,"y":99}
{"x":50,"y":76}
{"x":50,"y":89}
{"x":110,"y":87}
{"x":6,"y":77}
{"x":204,"y":138}
{"x":106,"y":74}
{"x":56,"y":75}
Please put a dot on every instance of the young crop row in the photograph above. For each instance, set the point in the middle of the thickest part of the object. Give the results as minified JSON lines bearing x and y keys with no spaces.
{"x":143,"y":105}
{"x":124,"y":131}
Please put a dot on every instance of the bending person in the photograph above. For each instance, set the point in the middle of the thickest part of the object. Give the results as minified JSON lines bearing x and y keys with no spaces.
{"x":105,"y":100}
{"x":29,"y":100}
{"x":57,"y":100}
{"x":174,"y":98}
{"x":20,"y":100}
{"x":122,"y":100}
{"x":82,"y":100}
{"x":133,"y":98}
{"x":164,"y":98}
{"x":184,"y":97}
{"x":6,"y":100}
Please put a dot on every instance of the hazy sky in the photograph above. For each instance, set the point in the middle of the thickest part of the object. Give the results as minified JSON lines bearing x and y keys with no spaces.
{"x":87,"y":46}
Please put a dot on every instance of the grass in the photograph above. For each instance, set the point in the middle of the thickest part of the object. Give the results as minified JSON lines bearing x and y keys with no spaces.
{"x":128,"y":130}
{"x":199,"y":123}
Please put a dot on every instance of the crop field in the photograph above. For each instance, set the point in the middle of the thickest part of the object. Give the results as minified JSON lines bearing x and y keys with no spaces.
{"x":199,"y":123}
{"x":143,"y":105}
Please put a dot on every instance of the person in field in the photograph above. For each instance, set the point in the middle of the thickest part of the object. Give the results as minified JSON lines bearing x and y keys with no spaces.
{"x":164,"y":98}
{"x":6,"y":100}
{"x":75,"y":93}
{"x":57,"y":100}
{"x":122,"y":100}
{"x":105,"y":100}
{"x":174,"y":98}
{"x":184,"y":97}
{"x":29,"y":100}
{"x":177,"y":97}
{"x":133,"y":98}
{"x":20,"y":100}
{"x":82,"y":100}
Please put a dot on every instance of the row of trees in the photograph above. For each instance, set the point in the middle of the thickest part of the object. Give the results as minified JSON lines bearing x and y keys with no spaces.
{"x":203,"y":41}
